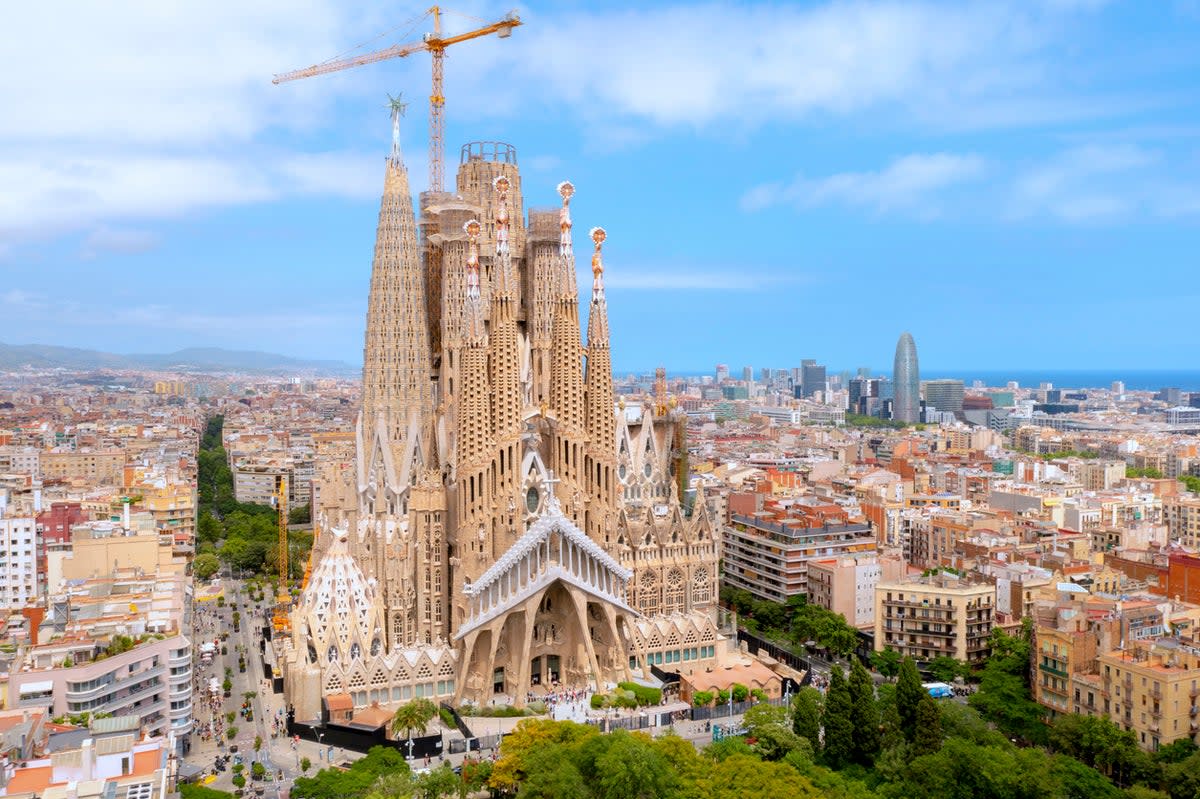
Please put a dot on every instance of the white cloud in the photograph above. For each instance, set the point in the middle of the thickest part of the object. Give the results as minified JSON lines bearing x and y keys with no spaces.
{"x":1093,"y":183}
{"x":122,"y":242}
{"x":45,"y":195}
{"x":143,"y":110}
{"x":143,"y":71}
{"x":20,"y":300}
{"x":741,"y":65}
{"x":909,"y":183}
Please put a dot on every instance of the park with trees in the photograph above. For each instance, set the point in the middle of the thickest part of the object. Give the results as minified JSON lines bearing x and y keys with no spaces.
{"x":241,"y":534}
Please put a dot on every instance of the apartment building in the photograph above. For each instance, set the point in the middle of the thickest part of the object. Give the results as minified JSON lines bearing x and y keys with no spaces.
{"x":938,"y":615}
{"x":1151,"y":688}
{"x":1183,"y":519}
{"x":846,"y":585}
{"x":1063,"y":648}
{"x":113,"y":645}
{"x":153,"y":681}
{"x":114,"y":762}
{"x":96,"y":467}
{"x":769,"y":556}
{"x":19,"y":548}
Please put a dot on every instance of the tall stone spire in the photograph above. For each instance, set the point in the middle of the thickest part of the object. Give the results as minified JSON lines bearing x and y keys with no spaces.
{"x":566,"y":356}
{"x":601,"y":416}
{"x":473,"y":440}
{"x":505,"y":361}
{"x":505,"y":351}
{"x":396,"y":357}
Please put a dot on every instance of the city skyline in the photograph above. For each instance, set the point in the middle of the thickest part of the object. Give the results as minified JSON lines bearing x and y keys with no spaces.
{"x":206,"y":207}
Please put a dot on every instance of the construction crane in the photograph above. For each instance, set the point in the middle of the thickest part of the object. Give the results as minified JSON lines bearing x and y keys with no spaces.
{"x":284,"y":599}
{"x":436,"y":44}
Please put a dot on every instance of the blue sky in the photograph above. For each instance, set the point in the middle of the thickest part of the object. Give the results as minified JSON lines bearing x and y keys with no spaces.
{"x":1016,"y":183}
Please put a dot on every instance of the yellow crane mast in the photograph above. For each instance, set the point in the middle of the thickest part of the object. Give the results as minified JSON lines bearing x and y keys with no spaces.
{"x":435,"y":43}
{"x":284,"y":598}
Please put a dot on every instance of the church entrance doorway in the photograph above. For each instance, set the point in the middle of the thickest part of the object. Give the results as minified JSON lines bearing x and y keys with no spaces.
{"x":498,"y":680}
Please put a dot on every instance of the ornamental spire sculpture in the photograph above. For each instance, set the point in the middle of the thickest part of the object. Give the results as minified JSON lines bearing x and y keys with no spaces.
{"x":473,"y":322}
{"x":398,"y":108}
{"x":566,"y":254}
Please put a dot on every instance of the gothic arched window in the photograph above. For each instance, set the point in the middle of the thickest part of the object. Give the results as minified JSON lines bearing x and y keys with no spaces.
{"x":701,"y":589}
{"x":355,"y":651}
{"x":331,"y":654}
{"x":673,"y":602}
{"x":648,"y":593}
{"x":375,"y":647}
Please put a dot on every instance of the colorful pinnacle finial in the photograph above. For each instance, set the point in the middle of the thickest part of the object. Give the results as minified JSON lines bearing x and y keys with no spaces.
{"x":566,"y":191}
{"x":504,"y":276}
{"x":598,"y":237}
{"x":500,"y":184}
{"x":472,"y":228}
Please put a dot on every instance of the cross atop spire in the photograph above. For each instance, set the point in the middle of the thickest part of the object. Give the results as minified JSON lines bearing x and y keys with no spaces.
{"x":398,"y":108}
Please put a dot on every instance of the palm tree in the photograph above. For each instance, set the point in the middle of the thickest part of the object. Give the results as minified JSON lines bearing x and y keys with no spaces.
{"x":414,"y":715}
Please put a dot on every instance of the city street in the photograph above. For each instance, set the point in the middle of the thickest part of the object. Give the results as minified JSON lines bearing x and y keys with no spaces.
{"x":278,"y":753}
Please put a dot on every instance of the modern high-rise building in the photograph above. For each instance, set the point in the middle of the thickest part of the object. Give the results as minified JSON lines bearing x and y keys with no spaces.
{"x":906,"y":375}
{"x":812,"y":378}
{"x":748,"y":374}
{"x":945,"y":395}
{"x":504,"y":526}
{"x":722,"y":372}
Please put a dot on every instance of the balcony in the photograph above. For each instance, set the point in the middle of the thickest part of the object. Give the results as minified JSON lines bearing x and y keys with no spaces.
{"x":125,"y":702}
{"x":1156,"y":693}
{"x":1046,"y":667}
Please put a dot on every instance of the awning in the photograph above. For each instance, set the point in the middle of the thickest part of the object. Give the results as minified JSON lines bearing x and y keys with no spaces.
{"x":37,"y":687}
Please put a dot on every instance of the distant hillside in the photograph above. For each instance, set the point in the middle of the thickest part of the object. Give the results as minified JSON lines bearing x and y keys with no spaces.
{"x":193,"y":359}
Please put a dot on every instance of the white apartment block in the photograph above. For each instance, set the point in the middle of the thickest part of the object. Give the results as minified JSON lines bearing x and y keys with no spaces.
{"x":152,"y":681}
{"x":18,"y":556}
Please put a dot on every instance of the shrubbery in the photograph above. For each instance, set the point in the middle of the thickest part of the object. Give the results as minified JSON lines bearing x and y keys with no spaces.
{"x":643,"y":694}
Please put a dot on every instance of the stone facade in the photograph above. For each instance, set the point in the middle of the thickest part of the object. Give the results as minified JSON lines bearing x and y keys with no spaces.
{"x":506,"y":525}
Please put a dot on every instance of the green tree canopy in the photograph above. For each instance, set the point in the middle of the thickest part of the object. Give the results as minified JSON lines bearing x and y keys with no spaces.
{"x":864,"y":714}
{"x":838,"y":721}
{"x":886,"y":662}
{"x":807,"y":708}
{"x":909,"y":693}
{"x":413,"y":715}
{"x":927,"y":738}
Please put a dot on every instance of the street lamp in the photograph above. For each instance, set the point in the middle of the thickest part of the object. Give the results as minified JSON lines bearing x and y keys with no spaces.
{"x":410,"y":747}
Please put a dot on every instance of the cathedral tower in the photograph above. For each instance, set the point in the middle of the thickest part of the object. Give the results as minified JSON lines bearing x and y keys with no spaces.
{"x":566,"y":367}
{"x":600,"y":463}
{"x":396,"y":364}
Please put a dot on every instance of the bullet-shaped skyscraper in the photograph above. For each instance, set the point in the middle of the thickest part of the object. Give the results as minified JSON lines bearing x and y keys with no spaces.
{"x":906,"y":407}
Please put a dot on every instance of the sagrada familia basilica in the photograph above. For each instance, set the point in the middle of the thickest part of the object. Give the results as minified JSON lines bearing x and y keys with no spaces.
{"x":505,"y":525}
